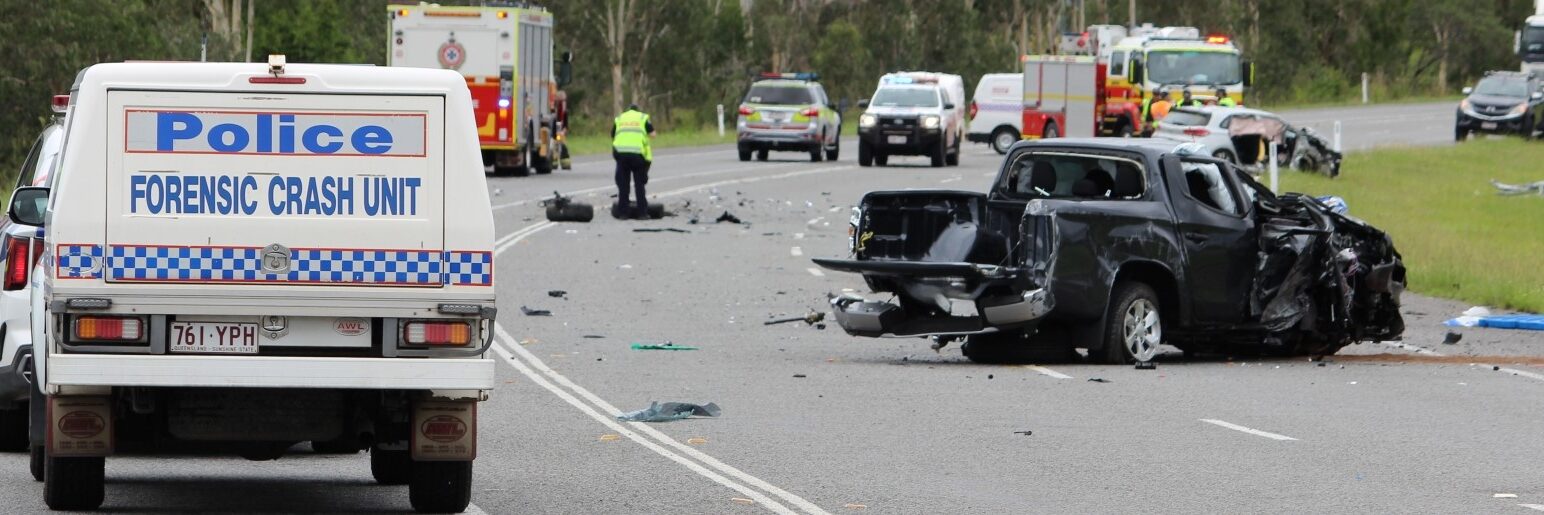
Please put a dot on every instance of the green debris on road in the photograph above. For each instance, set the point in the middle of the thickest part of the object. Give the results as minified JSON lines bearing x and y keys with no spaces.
{"x":660,"y":346}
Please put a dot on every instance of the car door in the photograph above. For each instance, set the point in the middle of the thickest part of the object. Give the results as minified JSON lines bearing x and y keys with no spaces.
{"x":1218,"y":236}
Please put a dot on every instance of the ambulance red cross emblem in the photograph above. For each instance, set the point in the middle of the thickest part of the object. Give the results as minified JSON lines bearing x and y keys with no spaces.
{"x":452,"y":55}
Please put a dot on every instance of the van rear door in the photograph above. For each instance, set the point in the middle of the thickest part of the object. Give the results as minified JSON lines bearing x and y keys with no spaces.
{"x":275,"y":189}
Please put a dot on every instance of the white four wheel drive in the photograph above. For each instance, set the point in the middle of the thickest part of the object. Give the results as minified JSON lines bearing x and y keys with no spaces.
{"x":242,"y":257}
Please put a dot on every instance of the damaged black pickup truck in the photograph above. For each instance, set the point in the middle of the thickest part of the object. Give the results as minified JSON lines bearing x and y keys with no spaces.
{"x":1116,"y":245}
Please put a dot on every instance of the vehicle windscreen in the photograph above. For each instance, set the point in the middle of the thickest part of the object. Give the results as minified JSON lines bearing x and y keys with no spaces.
{"x":1515,"y":87}
{"x":1533,"y":40}
{"x":905,"y":97}
{"x":1187,"y":119}
{"x":1075,"y":176}
{"x":779,"y":94}
{"x":1192,"y":67}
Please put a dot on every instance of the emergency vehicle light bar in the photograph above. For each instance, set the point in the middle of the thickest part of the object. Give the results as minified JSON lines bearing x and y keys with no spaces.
{"x":1217,"y":39}
{"x":791,"y":76}
{"x":61,"y":103}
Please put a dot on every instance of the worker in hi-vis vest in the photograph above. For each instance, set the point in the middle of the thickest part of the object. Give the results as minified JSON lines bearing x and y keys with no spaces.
{"x":630,"y":134}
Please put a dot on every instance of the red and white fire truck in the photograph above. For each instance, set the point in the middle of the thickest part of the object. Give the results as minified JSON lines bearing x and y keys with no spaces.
{"x":1063,"y":96}
{"x":505,"y":53}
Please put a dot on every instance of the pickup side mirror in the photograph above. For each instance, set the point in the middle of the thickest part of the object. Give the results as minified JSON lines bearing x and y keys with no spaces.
{"x":1467,"y":90}
{"x":28,"y":205}
{"x":949,"y":105}
{"x":1137,"y":73}
{"x":863,"y":103}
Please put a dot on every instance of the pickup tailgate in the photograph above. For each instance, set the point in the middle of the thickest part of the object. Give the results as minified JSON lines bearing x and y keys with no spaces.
{"x":275,"y":189}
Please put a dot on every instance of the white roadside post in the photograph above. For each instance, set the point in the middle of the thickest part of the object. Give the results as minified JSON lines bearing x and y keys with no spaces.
{"x":1273,"y":168}
{"x":1364,"y":87}
{"x":721,"y":120}
{"x":1337,"y":136}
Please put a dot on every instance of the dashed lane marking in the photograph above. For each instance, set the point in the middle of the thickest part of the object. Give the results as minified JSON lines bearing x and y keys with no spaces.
{"x":1535,"y":507}
{"x":796,"y":251}
{"x":816,"y":272}
{"x":1243,"y":429}
{"x":1048,"y":372}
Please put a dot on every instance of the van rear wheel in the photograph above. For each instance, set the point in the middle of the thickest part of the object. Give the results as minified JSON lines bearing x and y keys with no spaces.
{"x":440,"y":486}
{"x":1003,"y":138}
{"x":73,"y":483}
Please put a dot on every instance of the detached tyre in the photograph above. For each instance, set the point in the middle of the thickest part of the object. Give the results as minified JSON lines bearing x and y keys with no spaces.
{"x":391,"y":467}
{"x":73,"y":483}
{"x":571,"y":212}
{"x":1133,"y":327}
{"x":440,"y":486}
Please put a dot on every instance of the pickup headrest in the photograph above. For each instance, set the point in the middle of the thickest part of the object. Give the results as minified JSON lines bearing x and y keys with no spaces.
{"x":1043,"y":177}
{"x":1128,"y":181}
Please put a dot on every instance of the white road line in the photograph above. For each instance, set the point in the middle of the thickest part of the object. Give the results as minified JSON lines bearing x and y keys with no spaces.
{"x":472,"y":509}
{"x":1413,"y":348}
{"x":1516,"y":372}
{"x":816,"y":272}
{"x":1255,"y":432}
{"x":497,"y":207}
{"x":836,"y":208}
{"x":518,"y":235}
{"x":616,"y":426}
{"x":537,"y":363}
{"x":798,"y":236}
{"x":951,"y":179}
{"x":1048,"y":372}
{"x":1429,"y":352}
{"x":758,"y":178}
{"x":815,"y":220}
{"x":1535,"y":507}
{"x":796,"y":251}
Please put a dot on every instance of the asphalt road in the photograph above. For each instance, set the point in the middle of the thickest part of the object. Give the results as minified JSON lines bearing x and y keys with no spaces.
{"x":818,"y":422}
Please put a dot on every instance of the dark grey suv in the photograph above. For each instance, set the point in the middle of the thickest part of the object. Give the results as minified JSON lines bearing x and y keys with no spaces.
{"x":1502,"y":103}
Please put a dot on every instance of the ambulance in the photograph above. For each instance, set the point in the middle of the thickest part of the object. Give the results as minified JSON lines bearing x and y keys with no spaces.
{"x":242,"y":257}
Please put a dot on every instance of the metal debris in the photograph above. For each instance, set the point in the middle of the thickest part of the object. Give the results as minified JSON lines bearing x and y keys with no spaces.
{"x":660,"y":346}
{"x":557,"y":294}
{"x":668,"y":411}
{"x":535,"y":312}
{"x":812,"y":318}
{"x":726,"y":217}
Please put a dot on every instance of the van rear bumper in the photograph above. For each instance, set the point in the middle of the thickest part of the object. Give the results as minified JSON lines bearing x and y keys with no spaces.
{"x":270,"y":372}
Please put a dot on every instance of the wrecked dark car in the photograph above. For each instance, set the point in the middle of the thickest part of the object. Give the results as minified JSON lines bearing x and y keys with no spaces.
{"x":1117,"y":245}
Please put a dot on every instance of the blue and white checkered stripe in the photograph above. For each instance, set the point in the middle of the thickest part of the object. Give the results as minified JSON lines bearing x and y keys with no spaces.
{"x":153,"y":263}
{"x":469,"y":268}
{"x":76,"y":261}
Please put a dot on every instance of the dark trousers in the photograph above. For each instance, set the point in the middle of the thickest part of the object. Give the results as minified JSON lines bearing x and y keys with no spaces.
{"x":632,"y":169}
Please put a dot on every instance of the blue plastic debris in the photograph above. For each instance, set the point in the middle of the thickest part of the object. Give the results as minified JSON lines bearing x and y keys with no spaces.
{"x":1527,"y":322}
{"x":665,"y":412}
{"x":1336,"y":204}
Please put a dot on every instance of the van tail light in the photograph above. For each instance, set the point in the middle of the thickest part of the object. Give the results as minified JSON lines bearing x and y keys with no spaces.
{"x":973,"y":110}
{"x":746,"y":111}
{"x":1197,"y":131}
{"x":811,"y":112}
{"x":437,"y":333}
{"x":108,"y":329}
{"x":17,"y":262}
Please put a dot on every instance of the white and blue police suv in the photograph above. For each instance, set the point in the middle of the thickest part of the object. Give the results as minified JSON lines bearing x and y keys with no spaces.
{"x":243,"y":257}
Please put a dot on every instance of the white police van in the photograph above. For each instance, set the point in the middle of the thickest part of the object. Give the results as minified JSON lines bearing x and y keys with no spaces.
{"x":242,"y":257}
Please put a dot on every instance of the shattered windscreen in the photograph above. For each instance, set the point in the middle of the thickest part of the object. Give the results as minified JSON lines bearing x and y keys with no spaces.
{"x":1055,"y":175}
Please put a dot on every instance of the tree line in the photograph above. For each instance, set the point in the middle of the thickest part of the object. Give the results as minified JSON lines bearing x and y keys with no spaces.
{"x":681,"y":58}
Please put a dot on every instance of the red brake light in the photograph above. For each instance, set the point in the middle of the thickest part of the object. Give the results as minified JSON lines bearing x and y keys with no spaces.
{"x":277,"y":80}
{"x":433,"y":332}
{"x":61,"y":103}
{"x":811,"y":112}
{"x":103,"y":328}
{"x":973,"y":110}
{"x":746,"y":111}
{"x":1197,"y":131}
{"x":16,"y":263}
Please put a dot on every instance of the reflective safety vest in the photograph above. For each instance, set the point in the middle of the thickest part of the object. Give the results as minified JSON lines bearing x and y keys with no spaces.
{"x":632,"y":135}
{"x":1226,"y":102}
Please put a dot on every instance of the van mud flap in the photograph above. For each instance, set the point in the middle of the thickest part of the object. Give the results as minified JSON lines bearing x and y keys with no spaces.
{"x":937,"y":299}
{"x":444,"y":431}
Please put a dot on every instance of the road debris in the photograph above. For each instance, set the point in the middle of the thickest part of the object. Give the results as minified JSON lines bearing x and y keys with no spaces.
{"x":855,"y":506}
{"x":661,"y":229}
{"x":557,"y":294}
{"x":800,"y":376}
{"x":1504,"y":496}
{"x":1480,"y":316}
{"x":1098,"y":380}
{"x":535,"y":312}
{"x":1452,"y":337}
{"x":812,"y":318}
{"x":660,"y":346}
{"x":593,"y":337}
{"x":726,"y":217}
{"x":742,"y":500}
{"x":668,"y":411}
{"x":1024,"y":432}
{"x":696,"y":440}
{"x":1502,"y":188}
{"x":565,"y":209}
{"x":1146,"y":365}
{"x":610,"y":437}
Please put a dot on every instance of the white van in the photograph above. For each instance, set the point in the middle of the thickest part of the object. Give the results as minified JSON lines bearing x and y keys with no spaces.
{"x":997,"y":110}
{"x":241,"y":257}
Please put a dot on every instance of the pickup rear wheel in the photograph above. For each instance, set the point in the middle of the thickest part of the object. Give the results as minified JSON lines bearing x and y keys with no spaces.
{"x":1133,"y":326}
{"x":440,"y":486}
{"x":73,"y":483}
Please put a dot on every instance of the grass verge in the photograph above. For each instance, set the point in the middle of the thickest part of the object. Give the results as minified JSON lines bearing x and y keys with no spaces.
{"x":1459,"y":238}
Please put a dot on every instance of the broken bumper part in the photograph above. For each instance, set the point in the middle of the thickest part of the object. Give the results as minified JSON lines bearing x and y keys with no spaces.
{"x":862,"y":317}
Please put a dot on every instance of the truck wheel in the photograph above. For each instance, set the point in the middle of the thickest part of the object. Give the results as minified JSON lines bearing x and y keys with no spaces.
{"x":440,"y":486}
{"x":1050,"y":131}
{"x":1003,"y":138}
{"x":391,"y":467}
{"x":1132,"y":328}
{"x":543,"y":166}
{"x":35,"y":462}
{"x":865,"y":156}
{"x":1124,"y":131}
{"x":73,"y":483}
{"x":761,"y":155}
{"x":13,"y":429}
{"x":938,"y":155}
{"x":835,"y":150}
